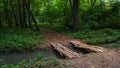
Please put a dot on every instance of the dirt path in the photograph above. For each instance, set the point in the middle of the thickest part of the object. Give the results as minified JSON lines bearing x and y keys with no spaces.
{"x":53,"y":36}
{"x":109,"y":59}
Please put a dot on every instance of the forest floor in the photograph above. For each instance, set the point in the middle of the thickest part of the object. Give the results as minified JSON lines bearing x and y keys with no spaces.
{"x":109,"y":59}
{"x":53,"y":36}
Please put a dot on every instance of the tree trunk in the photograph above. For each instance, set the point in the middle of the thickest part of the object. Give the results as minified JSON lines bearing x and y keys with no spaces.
{"x":0,"y":20}
{"x":13,"y":12}
{"x":75,"y":12}
{"x":5,"y":2}
{"x":19,"y":13}
{"x":32,"y":16}
{"x":65,"y":13}
{"x":24,"y":14}
{"x":29,"y":18}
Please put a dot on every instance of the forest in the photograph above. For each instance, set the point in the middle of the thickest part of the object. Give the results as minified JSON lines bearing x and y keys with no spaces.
{"x":59,"y":33}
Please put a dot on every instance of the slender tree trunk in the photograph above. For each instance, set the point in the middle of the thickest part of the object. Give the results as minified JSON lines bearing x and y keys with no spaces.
{"x":1,"y":21}
{"x":24,"y":14}
{"x":29,"y":18}
{"x":65,"y":13}
{"x":32,"y":16}
{"x":71,"y":4}
{"x":7,"y":12}
{"x":75,"y":12}
{"x":20,"y":13}
{"x":13,"y":12}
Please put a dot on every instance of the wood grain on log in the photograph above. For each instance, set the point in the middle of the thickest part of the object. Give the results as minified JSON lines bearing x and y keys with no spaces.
{"x":87,"y":47}
{"x":65,"y":51}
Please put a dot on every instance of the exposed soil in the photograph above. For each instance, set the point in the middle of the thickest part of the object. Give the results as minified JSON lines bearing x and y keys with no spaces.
{"x":52,"y":36}
{"x":109,"y":59}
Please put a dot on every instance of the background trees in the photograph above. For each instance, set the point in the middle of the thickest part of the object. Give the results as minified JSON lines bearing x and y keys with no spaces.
{"x":70,"y":14}
{"x":17,"y":13}
{"x":91,"y":14}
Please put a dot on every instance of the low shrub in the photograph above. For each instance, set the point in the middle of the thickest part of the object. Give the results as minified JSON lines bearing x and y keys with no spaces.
{"x":18,"y":39}
{"x":96,"y":36}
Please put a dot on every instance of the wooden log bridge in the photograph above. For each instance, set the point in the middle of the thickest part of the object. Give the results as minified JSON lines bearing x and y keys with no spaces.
{"x":88,"y":47}
{"x":67,"y":53}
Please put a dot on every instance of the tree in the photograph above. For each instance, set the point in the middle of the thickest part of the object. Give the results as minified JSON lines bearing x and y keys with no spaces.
{"x":17,"y":13}
{"x":29,"y":18}
{"x":31,"y":14}
{"x":24,"y":14}
{"x":13,"y":12}
{"x":5,"y":2}
{"x":0,"y":20}
{"x":75,"y":12}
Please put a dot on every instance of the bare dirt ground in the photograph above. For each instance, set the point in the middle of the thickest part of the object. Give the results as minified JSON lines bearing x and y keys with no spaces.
{"x":53,"y":36}
{"x":108,"y":59}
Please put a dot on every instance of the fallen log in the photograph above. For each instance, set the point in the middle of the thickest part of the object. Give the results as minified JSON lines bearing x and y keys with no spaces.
{"x":87,"y":47}
{"x":67,"y":53}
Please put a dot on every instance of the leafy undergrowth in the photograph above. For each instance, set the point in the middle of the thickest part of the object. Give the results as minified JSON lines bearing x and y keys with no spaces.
{"x":113,"y":45}
{"x":16,"y":39}
{"x":39,"y":62}
{"x":96,"y":37}
{"x":54,"y":26}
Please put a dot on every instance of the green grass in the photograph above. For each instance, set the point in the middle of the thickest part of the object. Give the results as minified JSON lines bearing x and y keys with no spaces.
{"x":16,"y":39}
{"x":96,"y":36}
{"x":39,"y":62}
{"x":113,"y":45}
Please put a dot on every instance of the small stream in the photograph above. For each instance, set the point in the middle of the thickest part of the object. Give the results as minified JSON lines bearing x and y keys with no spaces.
{"x":16,"y":57}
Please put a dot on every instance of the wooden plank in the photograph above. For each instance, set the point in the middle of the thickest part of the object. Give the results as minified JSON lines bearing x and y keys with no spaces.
{"x":87,"y":47}
{"x":65,"y":51}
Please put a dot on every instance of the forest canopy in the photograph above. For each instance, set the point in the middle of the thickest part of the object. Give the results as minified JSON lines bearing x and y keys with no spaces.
{"x":72,"y":14}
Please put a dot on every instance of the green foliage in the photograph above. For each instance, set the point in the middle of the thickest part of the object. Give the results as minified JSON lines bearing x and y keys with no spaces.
{"x":101,"y":16}
{"x":9,"y":66}
{"x":16,"y":39}
{"x":51,"y":12}
{"x":96,"y":36}
{"x":1,"y":60}
{"x":51,"y":15}
{"x":39,"y":62}
{"x":55,"y":26}
{"x":113,"y":45}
